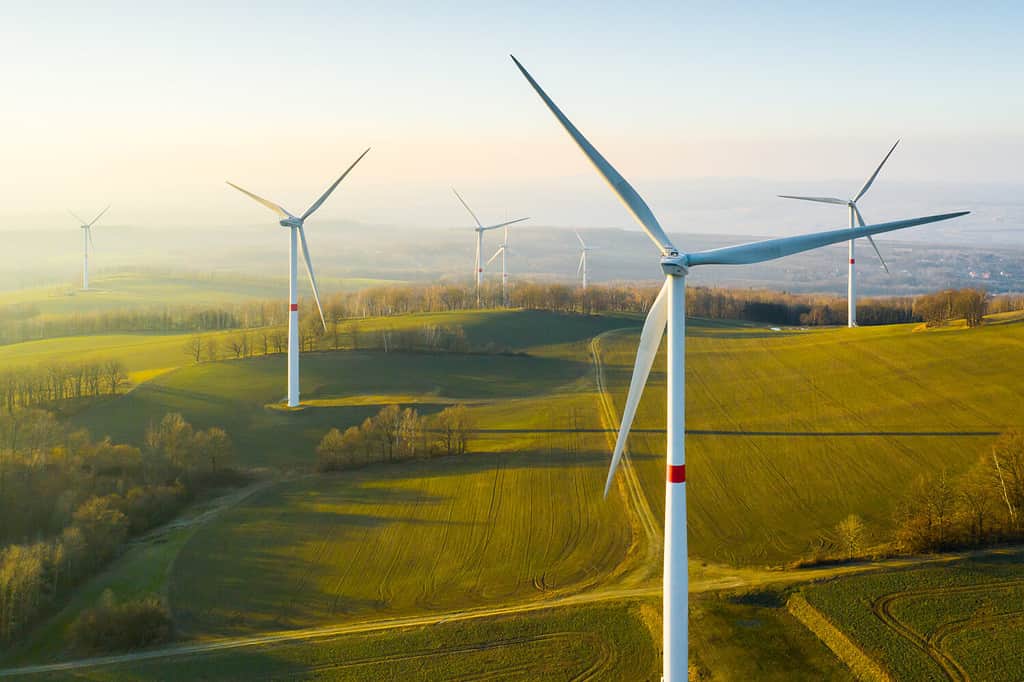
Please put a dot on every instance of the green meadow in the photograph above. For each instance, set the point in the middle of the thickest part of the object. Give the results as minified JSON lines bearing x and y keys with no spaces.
{"x":959,"y":621}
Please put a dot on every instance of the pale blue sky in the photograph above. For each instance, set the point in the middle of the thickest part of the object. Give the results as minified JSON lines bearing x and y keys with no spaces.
{"x":153,"y":108}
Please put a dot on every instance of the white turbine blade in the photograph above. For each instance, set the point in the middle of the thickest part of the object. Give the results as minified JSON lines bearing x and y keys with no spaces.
{"x":867,"y":185}
{"x":579,"y":269}
{"x":312,"y":277}
{"x":80,"y":221}
{"x":647,"y":349}
{"x":463,"y":202}
{"x":860,"y":221}
{"x":88,"y":232}
{"x":770,"y":249}
{"x":633,"y":201}
{"x":495,"y":227}
{"x":582,"y":243}
{"x":269,"y":204}
{"x":496,"y":254}
{"x":323,"y":197}
{"x":822,"y":200}
{"x":99,"y":215}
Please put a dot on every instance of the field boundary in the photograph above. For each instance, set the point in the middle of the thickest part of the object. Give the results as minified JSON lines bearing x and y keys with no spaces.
{"x":862,"y":666}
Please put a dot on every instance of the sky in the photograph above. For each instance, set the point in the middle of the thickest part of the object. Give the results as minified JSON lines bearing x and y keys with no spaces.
{"x":151,"y":106}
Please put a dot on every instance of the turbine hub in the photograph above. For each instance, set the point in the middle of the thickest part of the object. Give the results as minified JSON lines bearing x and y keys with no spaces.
{"x":675,"y":266}
{"x":291,"y":222}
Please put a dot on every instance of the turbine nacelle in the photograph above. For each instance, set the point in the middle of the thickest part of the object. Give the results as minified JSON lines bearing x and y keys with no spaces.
{"x":675,"y":266}
{"x":292,"y":222}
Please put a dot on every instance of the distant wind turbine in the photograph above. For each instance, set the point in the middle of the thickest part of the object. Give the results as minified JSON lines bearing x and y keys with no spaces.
{"x":503,"y":251}
{"x":669,"y":310}
{"x":582,"y":269}
{"x":855,"y":219}
{"x":478,"y":268}
{"x":297,"y":231}
{"x":87,"y":244}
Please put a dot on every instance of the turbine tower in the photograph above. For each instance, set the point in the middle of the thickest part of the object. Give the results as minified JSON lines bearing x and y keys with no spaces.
{"x":503,"y":252}
{"x":668,"y":311}
{"x":478,"y":268}
{"x":855,"y":219}
{"x":582,"y":269}
{"x":297,"y":232}
{"x":87,"y":244}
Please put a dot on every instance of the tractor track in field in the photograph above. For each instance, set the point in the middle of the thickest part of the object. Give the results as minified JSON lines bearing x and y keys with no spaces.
{"x":934,"y":645}
{"x":642,"y":518}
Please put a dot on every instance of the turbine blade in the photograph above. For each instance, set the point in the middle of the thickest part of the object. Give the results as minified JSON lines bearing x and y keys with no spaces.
{"x":582,"y":243}
{"x":633,"y":201}
{"x":80,"y":221}
{"x":312,"y":277}
{"x":495,"y":227}
{"x":496,"y":254}
{"x":579,"y":269}
{"x":463,"y":202}
{"x":867,"y":185}
{"x":823,"y":200}
{"x":647,"y":349}
{"x":92,"y":247}
{"x":860,"y":221}
{"x":269,"y":204}
{"x":770,"y":249}
{"x":99,"y":215}
{"x":323,"y":197}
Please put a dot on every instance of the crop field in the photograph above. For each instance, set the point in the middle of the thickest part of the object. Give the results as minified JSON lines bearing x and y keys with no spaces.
{"x":791,"y":431}
{"x":383,"y":541}
{"x":962,"y":621}
{"x":593,"y":642}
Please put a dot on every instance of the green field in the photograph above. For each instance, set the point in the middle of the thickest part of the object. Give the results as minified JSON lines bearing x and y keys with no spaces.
{"x":959,"y":621}
{"x":134,"y":290}
{"x":791,"y":431}
{"x":607,"y":642}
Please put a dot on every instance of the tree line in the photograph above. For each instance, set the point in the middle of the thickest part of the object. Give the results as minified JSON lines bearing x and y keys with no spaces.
{"x":396,"y":434}
{"x":47,"y":384}
{"x":68,"y":503}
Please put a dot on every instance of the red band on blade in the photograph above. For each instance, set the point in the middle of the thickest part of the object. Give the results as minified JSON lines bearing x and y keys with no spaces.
{"x":677,"y":473}
{"x":293,"y":306}
{"x":852,"y":261}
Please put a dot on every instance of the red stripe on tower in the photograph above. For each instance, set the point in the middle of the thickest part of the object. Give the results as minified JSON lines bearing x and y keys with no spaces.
{"x":852,"y":261}
{"x":677,"y":473}
{"x":293,"y":306}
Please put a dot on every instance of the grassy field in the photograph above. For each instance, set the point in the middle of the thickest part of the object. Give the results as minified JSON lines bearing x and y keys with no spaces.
{"x":791,"y":431}
{"x":959,"y":621}
{"x":597,"y":642}
{"x":132,"y":290}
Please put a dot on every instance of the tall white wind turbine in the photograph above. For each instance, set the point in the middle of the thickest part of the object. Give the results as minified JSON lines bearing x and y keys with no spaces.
{"x":503,"y":251}
{"x":297,"y":232}
{"x":582,"y":268}
{"x":478,"y":267}
{"x":669,"y":311}
{"x":87,"y":243}
{"x":855,"y":219}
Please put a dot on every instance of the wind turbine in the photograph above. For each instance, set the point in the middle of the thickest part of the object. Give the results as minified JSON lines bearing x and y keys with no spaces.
{"x":669,"y":310}
{"x":478,"y":268}
{"x":855,"y":219}
{"x":295,"y":225}
{"x":583,"y":259}
{"x":87,"y":244}
{"x":503,"y":252}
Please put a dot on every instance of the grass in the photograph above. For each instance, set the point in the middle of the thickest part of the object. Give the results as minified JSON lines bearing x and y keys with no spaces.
{"x":133,"y":290}
{"x":956,"y":621}
{"x":595,"y":642}
{"x":752,"y":637}
{"x":384,"y":541}
{"x":790,"y":432}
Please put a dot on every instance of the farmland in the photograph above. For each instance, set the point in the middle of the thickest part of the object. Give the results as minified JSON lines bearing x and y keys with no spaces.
{"x":791,"y":431}
{"x":955,"y":622}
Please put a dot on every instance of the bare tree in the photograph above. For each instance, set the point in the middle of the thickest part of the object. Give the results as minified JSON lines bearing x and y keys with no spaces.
{"x":194,"y":347}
